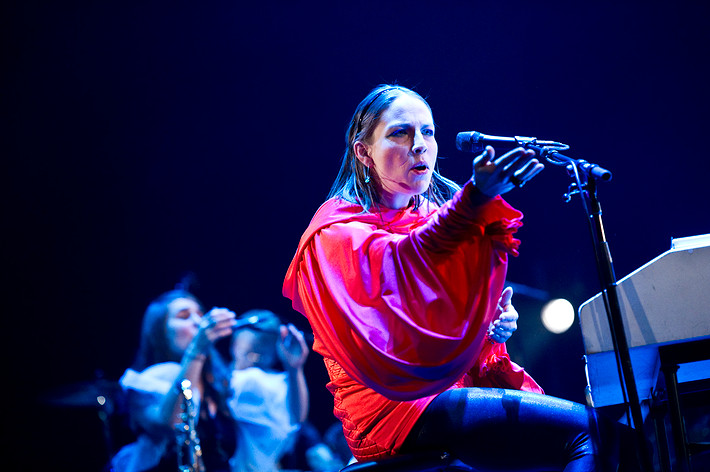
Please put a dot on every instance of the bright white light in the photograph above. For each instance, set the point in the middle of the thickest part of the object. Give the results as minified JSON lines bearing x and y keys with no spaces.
{"x":557,"y":315}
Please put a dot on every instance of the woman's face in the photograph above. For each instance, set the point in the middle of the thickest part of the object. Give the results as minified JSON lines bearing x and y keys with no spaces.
{"x":402,"y":151}
{"x":182,"y":323}
{"x":251,"y":349}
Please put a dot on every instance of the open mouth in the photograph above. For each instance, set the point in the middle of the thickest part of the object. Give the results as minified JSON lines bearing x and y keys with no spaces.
{"x":420,"y":167}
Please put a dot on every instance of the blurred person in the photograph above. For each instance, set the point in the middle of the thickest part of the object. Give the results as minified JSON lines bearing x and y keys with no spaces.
{"x":177,"y":343}
{"x":270,"y":395}
{"x":401,"y":275}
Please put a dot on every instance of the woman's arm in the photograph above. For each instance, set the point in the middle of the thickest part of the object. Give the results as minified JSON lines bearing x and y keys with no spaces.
{"x":293,"y":351}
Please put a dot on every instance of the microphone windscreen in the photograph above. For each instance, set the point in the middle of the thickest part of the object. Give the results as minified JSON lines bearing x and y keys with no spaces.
{"x":467,"y":141}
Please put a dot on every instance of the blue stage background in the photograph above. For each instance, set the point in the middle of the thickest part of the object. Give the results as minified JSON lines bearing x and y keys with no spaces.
{"x":146,"y":139}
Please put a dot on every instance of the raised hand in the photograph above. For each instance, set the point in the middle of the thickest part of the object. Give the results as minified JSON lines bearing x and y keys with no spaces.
{"x":502,"y":328}
{"x":214,"y":325}
{"x":496,"y":176}
{"x":292,"y":348}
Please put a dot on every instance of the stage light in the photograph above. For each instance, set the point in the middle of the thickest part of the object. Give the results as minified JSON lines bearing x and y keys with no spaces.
{"x":557,"y":315}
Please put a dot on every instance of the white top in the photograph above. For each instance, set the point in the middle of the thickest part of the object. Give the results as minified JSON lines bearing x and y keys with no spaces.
{"x":147,"y":451}
{"x":264,"y":428}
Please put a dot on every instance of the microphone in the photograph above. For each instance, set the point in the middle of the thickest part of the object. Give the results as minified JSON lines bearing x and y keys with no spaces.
{"x":473,"y":141}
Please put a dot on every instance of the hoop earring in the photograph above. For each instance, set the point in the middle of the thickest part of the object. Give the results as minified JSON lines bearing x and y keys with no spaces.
{"x":367,"y":175}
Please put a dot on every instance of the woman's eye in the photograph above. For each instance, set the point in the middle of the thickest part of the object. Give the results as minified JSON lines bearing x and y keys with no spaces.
{"x":428,"y":132}
{"x":400,"y":132}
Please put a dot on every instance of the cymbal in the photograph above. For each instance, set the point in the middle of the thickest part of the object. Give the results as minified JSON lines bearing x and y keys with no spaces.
{"x":93,"y":393}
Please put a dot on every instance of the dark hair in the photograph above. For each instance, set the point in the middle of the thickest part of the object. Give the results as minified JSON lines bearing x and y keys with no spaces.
{"x":154,"y":347}
{"x":265,"y":331}
{"x":268,"y":321}
{"x":350,"y":183}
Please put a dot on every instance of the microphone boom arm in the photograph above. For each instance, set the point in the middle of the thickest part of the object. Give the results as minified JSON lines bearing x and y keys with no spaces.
{"x":586,"y":175}
{"x":553,"y":156}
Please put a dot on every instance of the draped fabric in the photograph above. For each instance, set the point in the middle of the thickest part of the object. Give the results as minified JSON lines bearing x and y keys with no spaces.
{"x":401,"y":299}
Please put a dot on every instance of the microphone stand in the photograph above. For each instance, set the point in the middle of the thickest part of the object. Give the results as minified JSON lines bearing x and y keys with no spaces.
{"x":586,"y":176}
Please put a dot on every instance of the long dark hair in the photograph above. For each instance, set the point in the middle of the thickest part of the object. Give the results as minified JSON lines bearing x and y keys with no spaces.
{"x":154,"y":346}
{"x":350,"y":183}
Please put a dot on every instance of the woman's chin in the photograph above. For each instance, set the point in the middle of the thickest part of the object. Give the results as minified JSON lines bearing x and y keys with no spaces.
{"x":421,"y":186}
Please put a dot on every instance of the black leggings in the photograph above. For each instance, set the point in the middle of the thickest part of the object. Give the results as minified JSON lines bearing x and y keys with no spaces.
{"x":509,"y":430}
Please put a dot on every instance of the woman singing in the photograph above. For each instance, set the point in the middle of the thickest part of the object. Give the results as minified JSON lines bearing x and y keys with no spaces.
{"x":401,"y":275}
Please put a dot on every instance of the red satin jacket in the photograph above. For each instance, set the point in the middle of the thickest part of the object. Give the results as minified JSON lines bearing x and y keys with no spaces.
{"x":400,"y":302}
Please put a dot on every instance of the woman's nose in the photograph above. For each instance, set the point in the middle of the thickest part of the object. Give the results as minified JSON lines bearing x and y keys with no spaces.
{"x":419,"y":145}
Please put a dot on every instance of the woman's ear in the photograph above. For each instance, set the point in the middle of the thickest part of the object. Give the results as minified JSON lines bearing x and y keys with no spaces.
{"x":362,"y":152}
